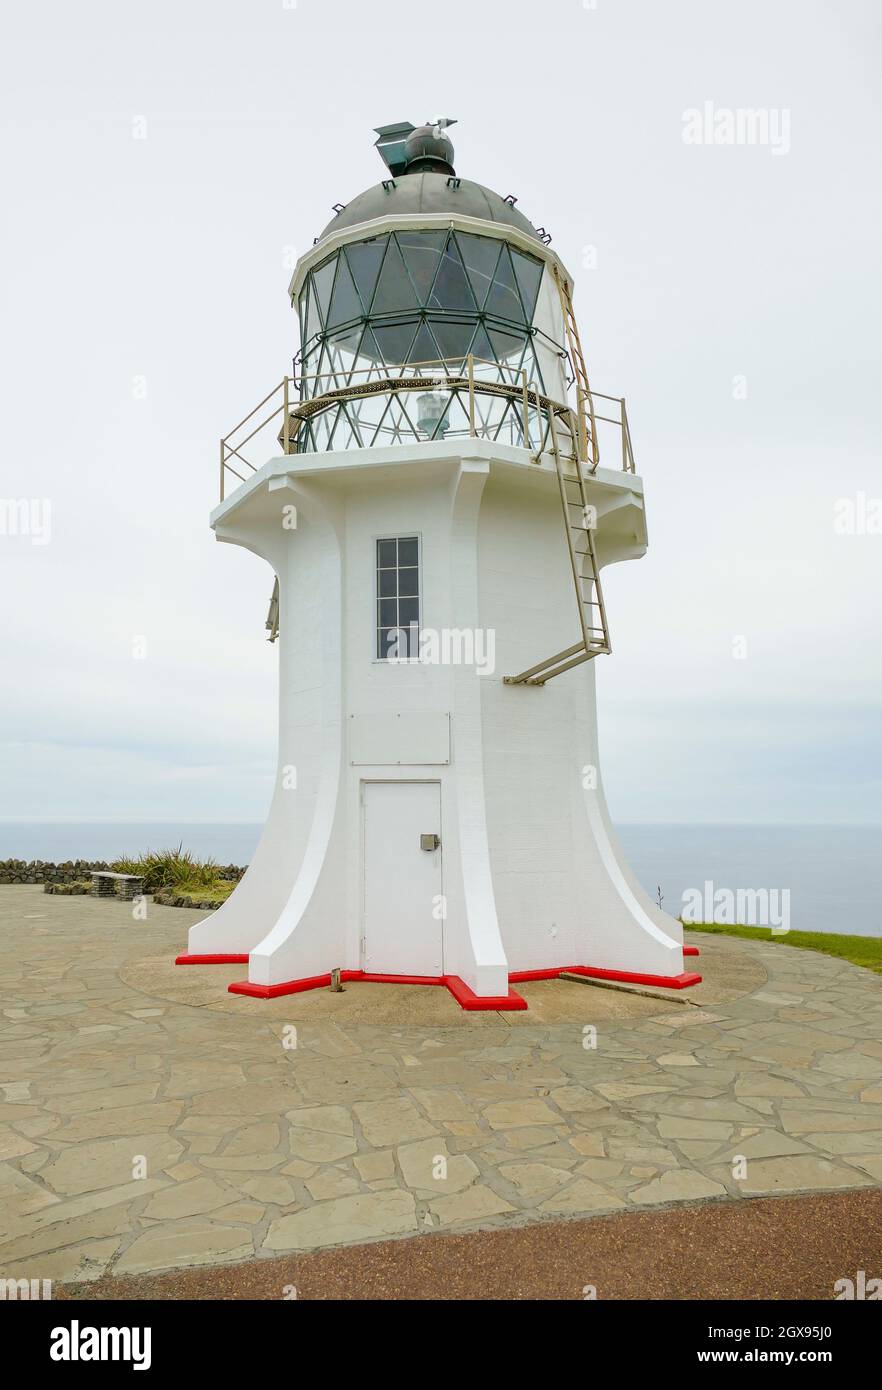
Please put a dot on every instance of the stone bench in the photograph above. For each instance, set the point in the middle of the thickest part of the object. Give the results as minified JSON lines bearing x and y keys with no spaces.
{"x":125,"y":886}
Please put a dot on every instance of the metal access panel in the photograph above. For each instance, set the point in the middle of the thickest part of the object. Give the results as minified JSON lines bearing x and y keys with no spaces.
{"x":399,"y":740}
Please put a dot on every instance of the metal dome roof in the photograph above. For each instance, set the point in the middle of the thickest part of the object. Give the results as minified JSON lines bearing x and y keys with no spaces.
{"x":431,"y":194}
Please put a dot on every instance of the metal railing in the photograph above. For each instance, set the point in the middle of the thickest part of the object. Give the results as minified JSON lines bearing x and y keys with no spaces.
{"x":501,"y":404}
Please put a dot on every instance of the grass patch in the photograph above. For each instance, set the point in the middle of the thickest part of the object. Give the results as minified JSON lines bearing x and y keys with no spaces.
{"x":194,"y":894}
{"x":216,"y":892}
{"x":859,"y":950}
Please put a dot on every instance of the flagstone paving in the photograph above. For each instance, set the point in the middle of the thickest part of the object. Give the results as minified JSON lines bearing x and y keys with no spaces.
{"x":150,"y":1121}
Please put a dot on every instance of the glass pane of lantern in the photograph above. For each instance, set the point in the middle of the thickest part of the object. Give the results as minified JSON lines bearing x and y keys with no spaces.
{"x":394,"y":290}
{"x":504,"y":301}
{"x":508,"y":349}
{"x":534,"y":372}
{"x":394,"y":341}
{"x":369,"y":352}
{"x":422,"y":253}
{"x":451,"y":288}
{"x":313,"y":323}
{"x":342,"y":436}
{"x":322,"y":280}
{"x":345,"y":303}
{"x":364,"y":259}
{"x":453,"y":338}
{"x":482,"y":349}
{"x":424,"y":348}
{"x":479,"y":254}
{"x":529,"y":276}
{"x":344,"y":350}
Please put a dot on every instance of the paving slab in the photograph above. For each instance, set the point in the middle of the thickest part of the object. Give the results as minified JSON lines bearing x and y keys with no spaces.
{"x":150,"y":1121}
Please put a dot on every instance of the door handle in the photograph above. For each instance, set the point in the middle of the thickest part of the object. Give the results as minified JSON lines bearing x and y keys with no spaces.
{"x":430,"y":841}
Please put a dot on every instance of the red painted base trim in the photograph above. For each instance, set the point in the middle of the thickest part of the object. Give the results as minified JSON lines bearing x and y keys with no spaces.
{"x":691,"y":951}
{"x":632,"y":978}
{"x":465,"y":997}
{"x":393,"y":979}
{"x":186,"y":959}
{"x":275,"y":991}
{"x":626,"y":976}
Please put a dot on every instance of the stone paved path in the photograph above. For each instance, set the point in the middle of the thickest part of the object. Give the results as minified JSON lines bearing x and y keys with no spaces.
{"x":771,"y":1247}
{"x":150,"y":1121}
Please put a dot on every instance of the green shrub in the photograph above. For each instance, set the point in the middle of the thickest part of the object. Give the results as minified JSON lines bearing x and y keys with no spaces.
{"x":167,"y":868}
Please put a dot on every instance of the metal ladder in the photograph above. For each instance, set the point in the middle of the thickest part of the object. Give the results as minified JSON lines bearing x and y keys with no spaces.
{"x":579,"y":519}
{"x":588,"y":448}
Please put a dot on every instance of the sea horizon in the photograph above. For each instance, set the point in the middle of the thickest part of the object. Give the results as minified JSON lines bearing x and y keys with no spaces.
{"x":831,"y":874}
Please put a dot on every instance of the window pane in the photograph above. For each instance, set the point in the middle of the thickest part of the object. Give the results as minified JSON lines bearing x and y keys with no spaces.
{"x":345,"y":303}
{"x":408,"y":551}
{"x":385,"y":554}
{"x":408,"y":581}
{"x":451,"y":288}
{"x":394,"y":290}
{"x":529,"y":273}
{"x":506,"y":346}
{"x":364,"y":261}
{"x":482,"y":348}
{"x":387,"y":638}
{"x":386,"y":583}
{"x":322,"y":280}
{"x":422,"y":252}
{"x":453,"y":338}
{"x":387,"y":612}
{"x":408,"y":611}
{"x":480,"y":254}
{"x":424,"y":348}
{"x":504,"y":300}
{"x":313,"y":322}
{"x":394,"y":341}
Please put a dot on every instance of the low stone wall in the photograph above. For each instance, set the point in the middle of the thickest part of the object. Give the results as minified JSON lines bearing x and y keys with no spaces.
{"x":39,"y":871}
{"x":72,"y":870}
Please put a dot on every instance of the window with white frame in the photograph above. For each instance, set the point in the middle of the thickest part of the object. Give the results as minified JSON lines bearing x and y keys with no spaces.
{"x":398,"y":597}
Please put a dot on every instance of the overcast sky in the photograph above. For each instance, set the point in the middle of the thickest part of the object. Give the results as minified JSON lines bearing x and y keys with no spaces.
{"x":730,"y":292}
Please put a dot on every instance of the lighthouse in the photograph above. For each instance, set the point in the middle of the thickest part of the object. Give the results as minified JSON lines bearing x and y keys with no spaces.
{"x":437,"y":491}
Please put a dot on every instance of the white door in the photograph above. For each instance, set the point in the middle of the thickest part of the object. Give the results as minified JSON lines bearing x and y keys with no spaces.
{"x":402,"y":878}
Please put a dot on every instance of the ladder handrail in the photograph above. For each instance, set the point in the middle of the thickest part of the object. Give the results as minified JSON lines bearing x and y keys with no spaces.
{"x":595,"y":636}
{"x":580,"y":371}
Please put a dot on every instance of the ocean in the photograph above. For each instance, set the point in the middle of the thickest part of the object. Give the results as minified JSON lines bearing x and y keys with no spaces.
{"x":833,"y":874}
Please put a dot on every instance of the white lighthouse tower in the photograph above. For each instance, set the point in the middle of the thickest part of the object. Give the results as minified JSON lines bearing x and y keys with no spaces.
{"x":439,"y":503}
